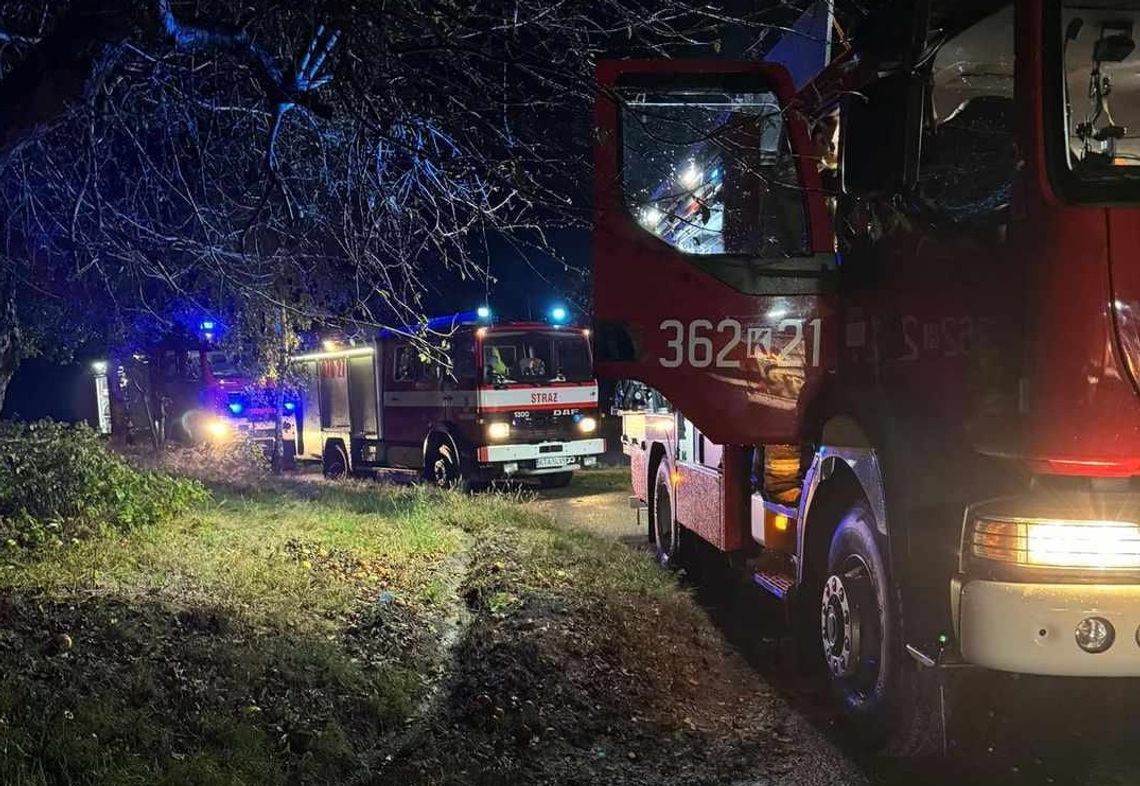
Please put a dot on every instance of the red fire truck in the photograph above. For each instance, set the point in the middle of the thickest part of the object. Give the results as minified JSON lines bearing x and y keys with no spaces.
{"x":512,"y":399}
{"x":189,"y":390}
{"x":900,"y":383}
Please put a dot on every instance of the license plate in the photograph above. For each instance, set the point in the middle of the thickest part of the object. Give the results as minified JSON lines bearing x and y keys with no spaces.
{"x":550,"y":461}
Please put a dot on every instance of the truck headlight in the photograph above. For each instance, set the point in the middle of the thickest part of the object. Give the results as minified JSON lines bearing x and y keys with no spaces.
{"x":588,"y":425}
{"x":1056,"y":543}
{"x":498,"y":431}
{"x":218,"y":429}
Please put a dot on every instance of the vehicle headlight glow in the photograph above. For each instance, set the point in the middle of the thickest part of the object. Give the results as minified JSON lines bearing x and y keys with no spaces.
{"x":498,"y":431}
{"x":218,"y":429}
{"x":1058,"y":543}
{"x":588,"y":425}
{"x":692,"y":176}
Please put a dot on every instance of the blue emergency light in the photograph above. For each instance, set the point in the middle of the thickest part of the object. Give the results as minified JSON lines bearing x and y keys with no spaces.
{"x":236,"y":407}
{"x":558,"y":314}
{"x":483,"y":312}
{"x":208,"y":324}
{"x":290,"y":406}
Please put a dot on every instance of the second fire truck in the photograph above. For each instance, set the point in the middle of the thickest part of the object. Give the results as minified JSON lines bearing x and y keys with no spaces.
{"x":505,"y":400}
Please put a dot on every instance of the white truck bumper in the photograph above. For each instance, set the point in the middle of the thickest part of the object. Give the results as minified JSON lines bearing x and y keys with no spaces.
{"x":1029,"y":628}
{"x":543,"y":457}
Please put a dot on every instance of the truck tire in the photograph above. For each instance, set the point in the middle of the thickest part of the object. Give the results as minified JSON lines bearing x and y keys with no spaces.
{"x":443,"y":468}
{"x":889,"y":704}
{"x":555,"y":480}
{"x":663,"y":518}
{"x":335,"y":461}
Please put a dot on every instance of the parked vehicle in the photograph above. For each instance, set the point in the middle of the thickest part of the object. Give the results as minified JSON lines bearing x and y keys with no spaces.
{"x":910,"y":405}
{"x":507,"y":400}
{"x":188,"y":390}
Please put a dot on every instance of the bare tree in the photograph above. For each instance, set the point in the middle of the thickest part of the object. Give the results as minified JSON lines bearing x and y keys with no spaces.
{"x":280,"y":163}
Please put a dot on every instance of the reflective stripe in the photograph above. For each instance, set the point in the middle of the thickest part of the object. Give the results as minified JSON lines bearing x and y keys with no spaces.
{"x":538,"y":398}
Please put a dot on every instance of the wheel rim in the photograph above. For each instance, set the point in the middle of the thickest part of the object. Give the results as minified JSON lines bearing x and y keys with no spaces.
{"x":443,"y":470}
{"x":441,"y":473}
{"x":850,"y":627}
{"x":663,"y":517}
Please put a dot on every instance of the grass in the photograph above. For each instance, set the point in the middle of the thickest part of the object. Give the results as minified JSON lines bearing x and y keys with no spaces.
{"x":270,"y":637}
{"x":272,"y":561}
{"x":601,"y":480}
{"x":280,"y":635}
{"x":581,"y":656}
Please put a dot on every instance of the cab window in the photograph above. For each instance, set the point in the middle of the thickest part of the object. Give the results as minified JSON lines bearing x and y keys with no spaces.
{"x":1101,"y":92}
{"x":968,"y":155}
{"x":463,"y":360}
{"x":710,"y":171}
{"x":407,"y":366}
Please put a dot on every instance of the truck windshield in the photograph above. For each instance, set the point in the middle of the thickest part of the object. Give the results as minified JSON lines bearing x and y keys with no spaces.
{"x":1100,"y":91}
{"x":221,"y":364}
{"x":536,"y":357}
{"x":709,"y":171}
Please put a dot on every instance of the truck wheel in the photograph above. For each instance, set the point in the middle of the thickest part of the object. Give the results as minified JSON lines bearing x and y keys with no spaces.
{"x":444,"y":468}
{"x":889,"y":704}
{"x":335,"y":463}
{"x":555,"y":480}
{"x":662,"y":518}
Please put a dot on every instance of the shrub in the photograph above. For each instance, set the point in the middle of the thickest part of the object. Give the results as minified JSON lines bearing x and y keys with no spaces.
{"x":237,"y":461}
{"x":60,"y":481}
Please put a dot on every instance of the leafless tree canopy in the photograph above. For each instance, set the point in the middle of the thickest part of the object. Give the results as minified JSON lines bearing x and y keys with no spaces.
{"x":275,"y":163}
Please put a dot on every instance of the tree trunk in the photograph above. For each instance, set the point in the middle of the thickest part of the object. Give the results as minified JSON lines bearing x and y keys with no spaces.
{"x":9,"y":343}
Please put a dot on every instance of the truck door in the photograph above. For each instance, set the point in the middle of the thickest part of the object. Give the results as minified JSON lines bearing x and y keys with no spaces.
{"x":713,"y":251}
{"x":412,"y":403}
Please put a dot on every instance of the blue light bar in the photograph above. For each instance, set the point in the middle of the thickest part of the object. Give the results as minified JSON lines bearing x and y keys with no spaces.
{"x":290,"y":406}
{"x":236,"y":407}
{"x":558,"y":314}
{"x":207,"y":324}
{"x":483,"y":312}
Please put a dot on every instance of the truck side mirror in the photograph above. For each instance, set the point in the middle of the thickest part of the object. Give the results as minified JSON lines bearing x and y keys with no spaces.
{"x":881,"y":127}
{"x":880,"y":137}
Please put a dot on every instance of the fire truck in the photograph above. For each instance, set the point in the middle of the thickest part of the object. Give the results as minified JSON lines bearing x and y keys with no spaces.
{"x":890,"y":326}
{"x":187,"y":389}
{"x":461,"y":399}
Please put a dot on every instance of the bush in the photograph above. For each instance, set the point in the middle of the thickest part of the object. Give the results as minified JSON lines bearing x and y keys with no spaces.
{"x":59,"y":481}
{"x":237,"y":461}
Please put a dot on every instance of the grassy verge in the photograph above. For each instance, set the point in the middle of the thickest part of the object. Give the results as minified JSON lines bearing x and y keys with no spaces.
{"x":295,"y":634}
{"x":266,"y":637}
{"x":584,"y":662}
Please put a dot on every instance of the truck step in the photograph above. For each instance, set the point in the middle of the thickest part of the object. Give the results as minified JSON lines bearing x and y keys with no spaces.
{"x":776,"y":582}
